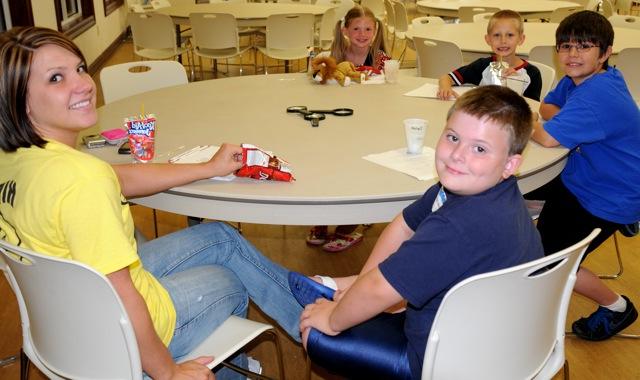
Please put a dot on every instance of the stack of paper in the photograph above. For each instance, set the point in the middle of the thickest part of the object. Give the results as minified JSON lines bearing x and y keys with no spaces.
{"x":197,"y":155}
{"x":430,"y":90}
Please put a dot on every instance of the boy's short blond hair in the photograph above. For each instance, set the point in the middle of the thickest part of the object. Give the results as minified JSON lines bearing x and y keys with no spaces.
{"x":506,"y":14}
{"x":504,"y":107}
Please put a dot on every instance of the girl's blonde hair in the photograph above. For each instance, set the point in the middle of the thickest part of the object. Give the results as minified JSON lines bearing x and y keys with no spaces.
{"x":339,"y":45}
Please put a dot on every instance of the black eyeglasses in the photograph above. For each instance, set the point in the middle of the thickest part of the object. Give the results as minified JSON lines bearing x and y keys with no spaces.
{"x":581,"y":47}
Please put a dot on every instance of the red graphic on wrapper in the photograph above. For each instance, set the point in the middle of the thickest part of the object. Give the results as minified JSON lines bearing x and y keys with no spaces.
{"x":142,"y":132}
{"x":259,"y":164}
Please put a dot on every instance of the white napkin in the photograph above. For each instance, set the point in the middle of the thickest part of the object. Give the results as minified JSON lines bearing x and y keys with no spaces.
{"x":420,"y":166}
{"x":430,"y":90}
{"x":199,"y":154}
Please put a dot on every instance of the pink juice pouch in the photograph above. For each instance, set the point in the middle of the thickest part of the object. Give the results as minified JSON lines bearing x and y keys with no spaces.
{"x":142,"y":133}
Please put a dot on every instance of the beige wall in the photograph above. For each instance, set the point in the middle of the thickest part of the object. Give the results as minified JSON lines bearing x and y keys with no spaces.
{"x":94,"y":40}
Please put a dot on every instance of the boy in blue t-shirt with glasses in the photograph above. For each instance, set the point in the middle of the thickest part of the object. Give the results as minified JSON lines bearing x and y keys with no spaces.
{"x":592,"y":113}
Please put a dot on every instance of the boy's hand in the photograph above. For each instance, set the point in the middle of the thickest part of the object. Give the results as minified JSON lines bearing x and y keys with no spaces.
{"x":447,"y":94}
{"x":195,"y":369}
{"x":226,"y":160}
{"x":317,"y":315}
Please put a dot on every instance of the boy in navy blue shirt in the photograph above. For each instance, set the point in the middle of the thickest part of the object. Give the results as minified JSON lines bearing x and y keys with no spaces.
{"x":474,"y":221}
{"x":592,"y":113}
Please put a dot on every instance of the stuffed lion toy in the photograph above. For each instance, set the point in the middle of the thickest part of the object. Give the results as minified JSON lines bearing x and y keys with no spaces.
{"x":325,"y":70}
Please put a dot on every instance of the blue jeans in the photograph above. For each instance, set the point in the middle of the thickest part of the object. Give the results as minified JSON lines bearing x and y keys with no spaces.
{"x":208,"y":270}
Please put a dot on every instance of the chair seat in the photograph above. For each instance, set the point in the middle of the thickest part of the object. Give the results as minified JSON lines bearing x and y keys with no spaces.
{"x":220,"y":53}
{"x":285,"y":54}
{"x":230,"y":337}
{"x":160,"y":53}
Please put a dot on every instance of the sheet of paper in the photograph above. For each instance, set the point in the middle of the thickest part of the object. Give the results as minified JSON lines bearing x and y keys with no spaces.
{"x":430,"y":90}
{"x":420,"y":166}
{"x":199,"y":154}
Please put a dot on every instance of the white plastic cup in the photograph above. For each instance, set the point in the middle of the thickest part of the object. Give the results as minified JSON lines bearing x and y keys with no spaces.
{"x":391,"y":70}
{"x":414,"y":130}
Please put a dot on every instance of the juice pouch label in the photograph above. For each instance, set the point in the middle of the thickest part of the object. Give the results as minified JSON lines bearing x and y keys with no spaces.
{"x":142,"y":133}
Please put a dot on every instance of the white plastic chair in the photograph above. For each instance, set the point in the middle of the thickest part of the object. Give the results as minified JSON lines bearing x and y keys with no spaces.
{"x":216,"y":36}
{"x":548,"y":75}
{"x":419,"y":22}
{"x":128,"y":79}
{"x":508,"y":324}
{"x":376,"y":7}
{"x":154,"y":36}
{"x":402,"y":25}
{"x":390,"y":23}
{"x":627,"y":62}
{"x":341,"y":6}
{"x":548,"y":55}
{"x":465,"y":14}
{"x":625,"y":21}
{"x":75,"y":326}
{"x":607,"y":8}
{"x":435,"y":58}
{"x":288,"y":37}
{"x":560,"y":14}
{"x":324,"y":36}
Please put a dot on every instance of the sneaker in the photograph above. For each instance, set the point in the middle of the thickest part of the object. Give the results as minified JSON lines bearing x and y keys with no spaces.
{"x":340,"y":242}
{"x":605,"y":323}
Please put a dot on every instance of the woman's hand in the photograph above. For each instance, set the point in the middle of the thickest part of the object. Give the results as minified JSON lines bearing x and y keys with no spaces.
{"x":195,"y":369}
{"x":226,"y":160}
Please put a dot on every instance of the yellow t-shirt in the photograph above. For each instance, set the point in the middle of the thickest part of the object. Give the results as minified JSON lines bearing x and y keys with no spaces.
{"x":65,"y":203}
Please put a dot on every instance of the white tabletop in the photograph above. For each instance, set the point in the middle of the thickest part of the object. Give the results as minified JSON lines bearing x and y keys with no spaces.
{"x":334,"y":185}
{"x":247,"y":14}
{"x":469,"y":36}
{"x":527,"y":8}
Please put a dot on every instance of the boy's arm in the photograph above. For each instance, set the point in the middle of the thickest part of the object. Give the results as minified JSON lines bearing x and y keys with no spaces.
{"x":389,"y":241}
{"x":548,"y":110}
{"x":140,"y":180}
{"x":370,"y":295}
{"x":445,"y":91}
{"x":155,"y":357}
{"x":542,"y":137}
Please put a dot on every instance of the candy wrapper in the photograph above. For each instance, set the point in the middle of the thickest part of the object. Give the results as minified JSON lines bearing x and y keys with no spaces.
{"x":495,"y":74}
{"x":142,"y":133}
{"x":263,"y":165}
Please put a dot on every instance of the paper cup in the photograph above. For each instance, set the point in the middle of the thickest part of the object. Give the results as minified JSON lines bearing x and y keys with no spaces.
{"x":414,"y":130}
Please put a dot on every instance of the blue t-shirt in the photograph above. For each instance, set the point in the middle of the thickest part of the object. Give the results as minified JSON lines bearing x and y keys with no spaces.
{"x":467,"y":235}
{"x":600,"y":123}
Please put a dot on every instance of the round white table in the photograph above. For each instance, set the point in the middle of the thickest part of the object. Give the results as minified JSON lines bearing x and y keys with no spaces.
{"x":247,"y":14}
{"x":334,"y":184}
{"x":529,"y":9}
{"x":469,"y":36}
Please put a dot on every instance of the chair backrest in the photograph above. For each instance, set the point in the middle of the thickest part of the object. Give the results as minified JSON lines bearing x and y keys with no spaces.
{"x":400,"y":14}
{"x":627,"y":62}
{"x":625,"y":21}
{"x":294,"y":1}
{"x":435,"y":58}
{"x":607,"y":8}
{"x":342,"y":6}
{"x":559,"y":14}
{"x":290,"y":31}
{"x":126,"y":79}
{"x":465,"y":14}
{"x":152,"y":31}
{"x":76,"y":326}
{"x":418,"y":22}
{"x":547,"y":54}
{"x":327,"y":26}
{"x":507,"y":324}
{"x":548,"y":75}
{"x":214,"y":31}
{"x":391,"y":16}
{"x":482,"y":17}
{"x":623,"y":7}
{"x":376,"y":6}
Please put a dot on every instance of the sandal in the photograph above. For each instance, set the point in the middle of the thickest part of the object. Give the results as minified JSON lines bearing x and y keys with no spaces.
{"x":341,"y":242}
{"x":317,"y":235}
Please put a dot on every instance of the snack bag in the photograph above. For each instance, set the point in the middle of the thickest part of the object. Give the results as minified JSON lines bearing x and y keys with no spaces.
{"x":495,"y":74}
{"x":263,"y":165}
{"x":142,"y":133}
